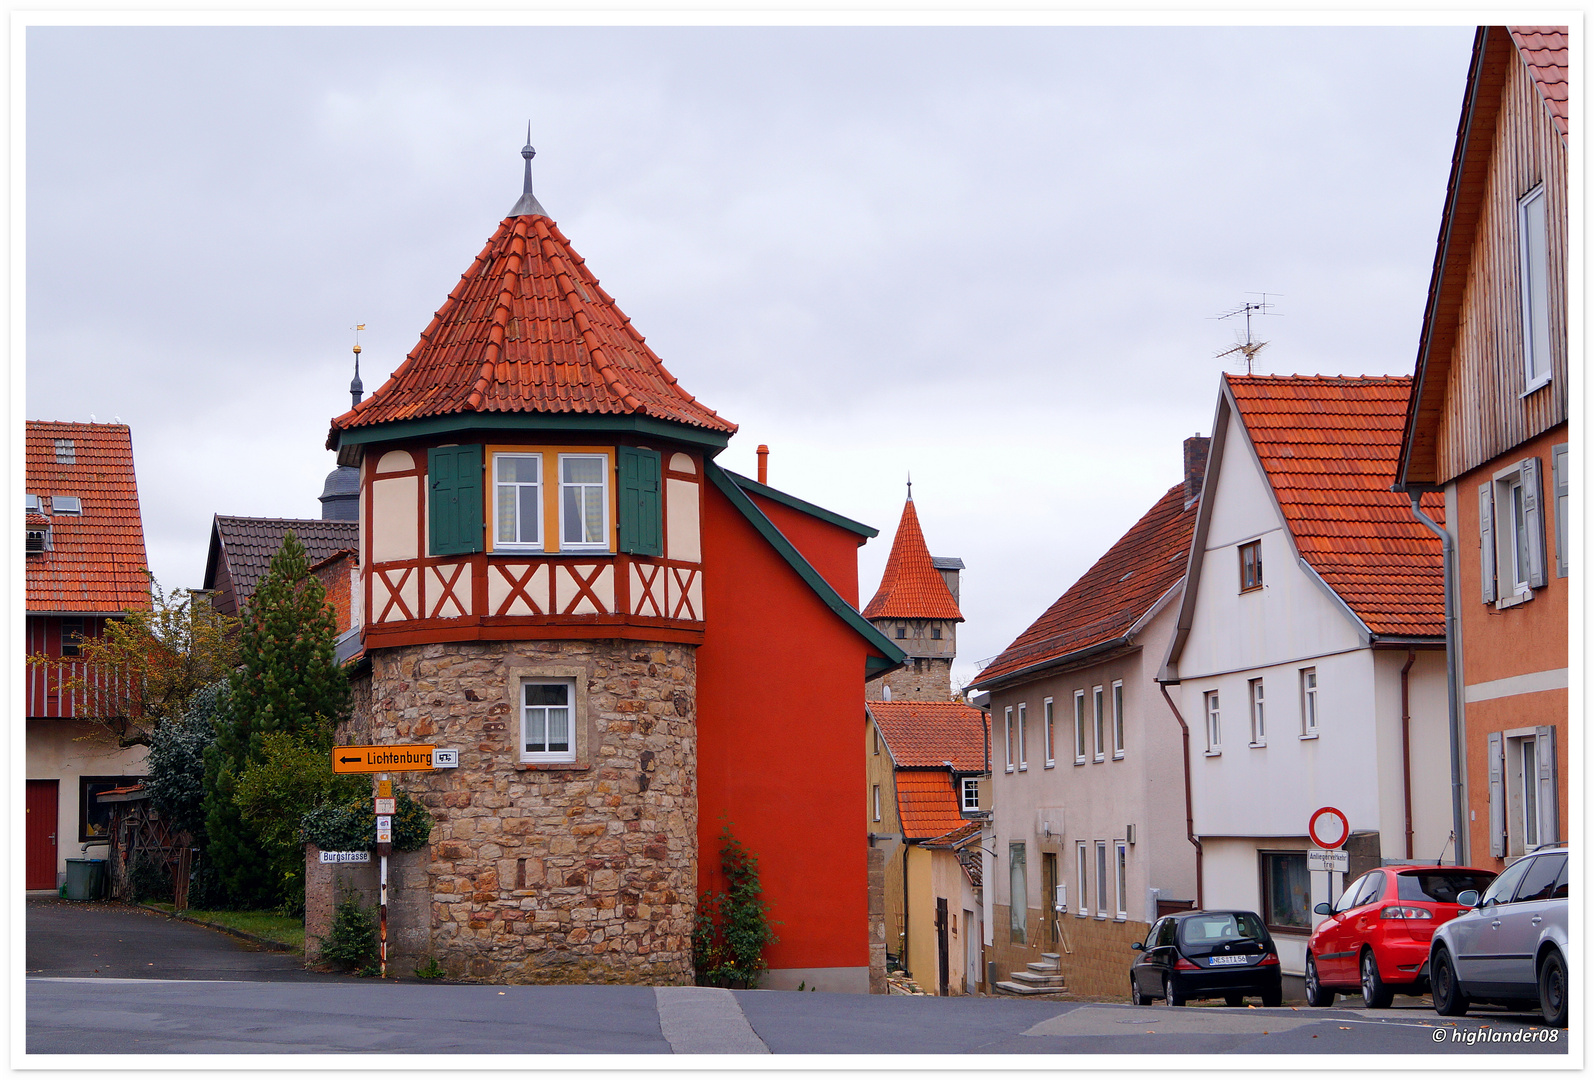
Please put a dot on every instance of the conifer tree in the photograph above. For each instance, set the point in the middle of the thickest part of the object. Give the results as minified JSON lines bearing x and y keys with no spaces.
{"x":288,"y":683}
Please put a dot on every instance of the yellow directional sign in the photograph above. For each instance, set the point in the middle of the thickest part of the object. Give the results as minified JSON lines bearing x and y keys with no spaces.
{"x":369,"y":759}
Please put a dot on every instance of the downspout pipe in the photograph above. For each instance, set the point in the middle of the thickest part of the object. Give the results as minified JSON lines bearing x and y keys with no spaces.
{"x":1189,"y":812}
{"x":1452,"y":689}
{"x":1405,"y":737}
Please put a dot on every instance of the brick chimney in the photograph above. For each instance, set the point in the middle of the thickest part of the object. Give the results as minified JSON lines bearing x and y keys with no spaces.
{"x":1195,"y":466}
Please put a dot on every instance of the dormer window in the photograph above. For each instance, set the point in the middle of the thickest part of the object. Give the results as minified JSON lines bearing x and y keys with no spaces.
{"x":38,"y":541}
{"x":66,"y":504}
{"x":971,"y":793}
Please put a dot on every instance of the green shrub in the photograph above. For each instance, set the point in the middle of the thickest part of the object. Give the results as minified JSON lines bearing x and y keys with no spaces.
{"x":350,"y":825}
{"x":429,"y":970}
{"x":352,"y":941}
{"x":147,"y":879}
{"x":732,"y":929}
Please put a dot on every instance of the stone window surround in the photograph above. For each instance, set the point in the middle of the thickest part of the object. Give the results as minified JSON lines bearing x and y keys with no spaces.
{"x":584,"y":725}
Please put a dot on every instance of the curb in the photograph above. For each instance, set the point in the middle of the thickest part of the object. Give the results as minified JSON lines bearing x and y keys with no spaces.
{"x":254,"y":939}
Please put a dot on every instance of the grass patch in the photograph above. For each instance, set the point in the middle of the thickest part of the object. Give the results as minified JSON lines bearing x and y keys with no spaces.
{"x":282,"y":929}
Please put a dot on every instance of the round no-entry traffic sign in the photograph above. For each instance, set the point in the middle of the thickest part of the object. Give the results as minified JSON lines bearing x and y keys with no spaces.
{"x":1327,"y":827}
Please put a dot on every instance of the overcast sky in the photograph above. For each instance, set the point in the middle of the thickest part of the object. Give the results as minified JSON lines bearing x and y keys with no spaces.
{"x":990,"y":257}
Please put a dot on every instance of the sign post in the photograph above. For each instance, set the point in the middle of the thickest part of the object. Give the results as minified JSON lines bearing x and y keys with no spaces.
{"x":1329,"y":829}
{"x":385,"y":800}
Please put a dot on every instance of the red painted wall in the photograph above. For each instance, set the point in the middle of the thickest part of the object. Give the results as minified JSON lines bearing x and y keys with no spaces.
{"x":830,"y":550}
{"x":780,"y":704}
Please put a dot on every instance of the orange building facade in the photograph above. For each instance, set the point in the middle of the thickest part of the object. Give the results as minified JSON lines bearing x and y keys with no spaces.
{"x":1486,"y":424}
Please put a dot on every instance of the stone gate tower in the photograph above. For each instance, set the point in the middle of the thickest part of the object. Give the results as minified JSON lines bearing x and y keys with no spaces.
{"x":916,"y":607}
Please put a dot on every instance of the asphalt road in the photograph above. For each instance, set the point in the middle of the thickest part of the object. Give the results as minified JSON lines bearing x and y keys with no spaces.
{"x":109,"y":980}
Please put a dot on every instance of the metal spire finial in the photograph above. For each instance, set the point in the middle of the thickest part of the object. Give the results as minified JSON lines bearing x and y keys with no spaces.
{"x":528,"y":203}
{"x":910,"y":485}
{"x":357,"y":388}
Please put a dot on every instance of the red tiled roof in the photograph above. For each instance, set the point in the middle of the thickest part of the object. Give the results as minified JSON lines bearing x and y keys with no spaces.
{"x":911,"y":587}
{"x":1112,"y":595}
{"x":97,"y":561}
{"x":529,"y":330}
{"x":926,"y":803}
{"x":1328,"y":445}
{"x":930,"y":733}
{"x":1543,"y":50}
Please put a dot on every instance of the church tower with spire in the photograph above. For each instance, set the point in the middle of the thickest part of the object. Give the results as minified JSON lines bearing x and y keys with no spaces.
{"x":916,"y":607}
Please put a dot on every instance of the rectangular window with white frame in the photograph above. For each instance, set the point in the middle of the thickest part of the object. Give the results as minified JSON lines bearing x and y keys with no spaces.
{"x":1051,"y":735}
{"x":1118,"y":719}
{"x":1101,"y":879}
{"x":1121,"y":876}
{"x":1214,"y":724}
{"x":1098,"y":709}
{"x":517,"y":502}
{"x":1511,"y":534}
{"x":1079,"y":727}
{"x":1007,"y":740}
{"x":971,"y":793}
{"x":877,"y":802}
{"x":1023,"y":736}
{"x":547,"y":722}
{"x":1258,"y":716}
{"x":583,"y":502}
{"x":1082,"y":872}
{"x":1533,"y":247}
{"x":1309,"y":703}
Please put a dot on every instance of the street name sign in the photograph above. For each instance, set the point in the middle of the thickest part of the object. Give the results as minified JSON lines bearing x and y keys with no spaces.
{"x":1324,"y":859}
{"x":371,"y":759}
{"x":345,"y":856}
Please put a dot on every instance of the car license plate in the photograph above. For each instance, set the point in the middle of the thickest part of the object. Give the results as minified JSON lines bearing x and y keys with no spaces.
{"x":1216,"y":960}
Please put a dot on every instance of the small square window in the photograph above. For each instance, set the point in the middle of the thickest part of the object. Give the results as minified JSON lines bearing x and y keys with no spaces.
{"x":902,"y":632}
{"x":31,"y":504}
{"x":71,"y":637}
{"x":65,"y":452}
{"x":547,"y":722}
{"x":971,"y":793}
{"x":1251,"y":566}
{"x":935,"y":633}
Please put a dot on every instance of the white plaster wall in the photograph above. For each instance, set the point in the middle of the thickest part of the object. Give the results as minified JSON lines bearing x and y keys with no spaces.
{"x":1291,"y":616}
{"x":395,"y":513}
{"x":67,"y":750}
{"x":1270,"y":790}
{"x":683,"y":527}
{"x":1232,"y":867}
{"x":1099,"y":800}
{"x":1430,"y":756}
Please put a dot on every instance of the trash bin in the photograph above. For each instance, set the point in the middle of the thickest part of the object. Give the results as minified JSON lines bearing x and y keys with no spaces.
{"x":85,"y":879}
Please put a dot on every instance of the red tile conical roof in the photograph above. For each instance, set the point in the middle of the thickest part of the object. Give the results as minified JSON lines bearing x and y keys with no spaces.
{"x":911,"y":587}
{"x":529,"y":330}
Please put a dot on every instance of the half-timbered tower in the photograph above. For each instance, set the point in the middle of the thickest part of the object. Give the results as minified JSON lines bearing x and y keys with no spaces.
{"x":916,"y":606}
{"x":626,"y":649}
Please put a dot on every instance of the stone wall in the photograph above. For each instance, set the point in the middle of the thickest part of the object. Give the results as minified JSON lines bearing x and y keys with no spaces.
{"x":409,"y":903}
{"x":539,"y":873}
{"x":920,"y":678}
{"x":1094,"y":955}
{"x":877,"y":920}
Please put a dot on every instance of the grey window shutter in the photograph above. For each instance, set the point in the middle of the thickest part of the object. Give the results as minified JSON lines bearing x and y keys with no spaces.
{"x":1558,"y":464}
{"x":1532,"y":509}
{"x":1496,"y":795}
{"x":1486,"y":539}
{"x":1549,"y":816}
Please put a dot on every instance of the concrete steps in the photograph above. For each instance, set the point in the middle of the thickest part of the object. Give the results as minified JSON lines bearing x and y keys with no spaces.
{"x":1038,"y":977}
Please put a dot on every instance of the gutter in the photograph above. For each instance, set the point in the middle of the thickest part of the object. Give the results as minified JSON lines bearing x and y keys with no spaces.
{"x":1452,"y":689}
{"x":1065,"y":661}
{"x":1405,"y":738}
{"x":1189,"y":813}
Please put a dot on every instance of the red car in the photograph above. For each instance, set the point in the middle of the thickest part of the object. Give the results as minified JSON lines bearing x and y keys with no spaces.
{"x":1377,"y":934}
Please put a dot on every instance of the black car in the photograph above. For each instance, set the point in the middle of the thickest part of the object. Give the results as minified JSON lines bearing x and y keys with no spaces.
{"x":1201,"y":954}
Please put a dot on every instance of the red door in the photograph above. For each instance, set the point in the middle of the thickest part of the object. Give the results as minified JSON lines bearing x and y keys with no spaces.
{"x":42,"y":803}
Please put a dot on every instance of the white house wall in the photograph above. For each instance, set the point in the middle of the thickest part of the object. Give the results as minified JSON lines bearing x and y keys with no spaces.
{"x":1430,"y":756}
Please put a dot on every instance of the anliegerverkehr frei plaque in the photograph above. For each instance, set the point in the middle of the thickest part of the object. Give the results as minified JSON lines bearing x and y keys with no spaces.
{"x":372,"y":759}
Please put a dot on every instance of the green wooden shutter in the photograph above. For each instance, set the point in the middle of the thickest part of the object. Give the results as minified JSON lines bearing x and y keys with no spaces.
{"x":641,"y":506}
{"x":454,"y":507}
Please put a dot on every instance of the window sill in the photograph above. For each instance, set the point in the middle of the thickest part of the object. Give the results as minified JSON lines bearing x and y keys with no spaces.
{"x":1536,"y":385}
{"x":1023,"y":768}
{"x":1250,"y":589}
{"x":1258,"y":745}
{"x":1513,"y":600}
{"x":1310,"y":735}
{"x":1213,"y":753}
{"x":1122,"y":916}
{"x":550,"y":766}
{"x":1079,"y":761}
{"x":1051,"y":765}
{"x":1118,"y":756}
{"x":1100,"y":758}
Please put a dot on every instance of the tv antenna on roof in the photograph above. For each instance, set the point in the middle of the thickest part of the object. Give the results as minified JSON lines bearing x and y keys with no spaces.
{"x":1250,"y":346}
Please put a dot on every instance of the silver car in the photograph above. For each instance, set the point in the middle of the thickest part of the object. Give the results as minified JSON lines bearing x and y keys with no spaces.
{"x":1511,"y":948}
